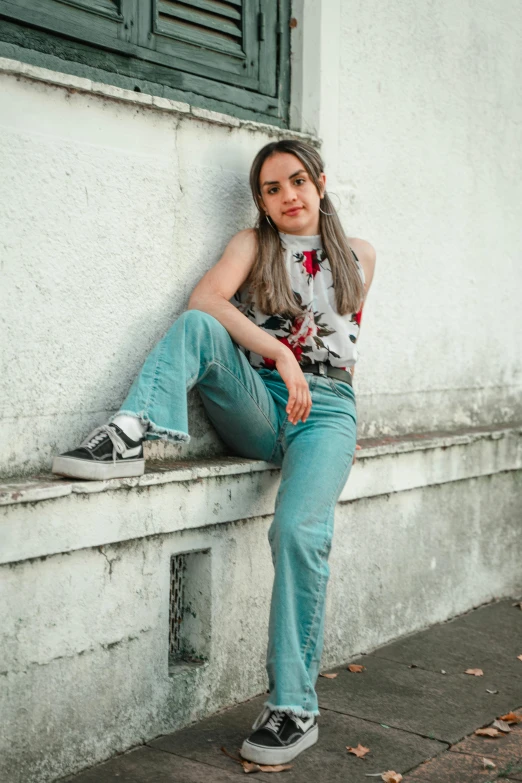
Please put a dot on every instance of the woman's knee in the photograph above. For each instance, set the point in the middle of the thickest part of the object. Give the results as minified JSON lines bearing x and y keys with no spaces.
{"x":302,"y":535}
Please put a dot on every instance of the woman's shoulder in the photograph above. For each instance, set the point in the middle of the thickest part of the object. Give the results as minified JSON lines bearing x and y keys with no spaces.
{"x":366,"y":254}
{"x":362,"y":249}
{"x":238,"y":258}
{"x":244,"y":239}
{"x":241,"y":248}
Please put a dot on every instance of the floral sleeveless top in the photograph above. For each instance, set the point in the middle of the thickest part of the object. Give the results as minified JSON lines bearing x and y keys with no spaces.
{"x":320,"y":334}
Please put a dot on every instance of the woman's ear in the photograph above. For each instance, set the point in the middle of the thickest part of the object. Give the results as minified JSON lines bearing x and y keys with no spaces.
{"x":322,"y":182}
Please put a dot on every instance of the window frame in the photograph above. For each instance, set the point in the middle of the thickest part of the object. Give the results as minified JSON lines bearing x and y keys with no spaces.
{"x":123,"y":57}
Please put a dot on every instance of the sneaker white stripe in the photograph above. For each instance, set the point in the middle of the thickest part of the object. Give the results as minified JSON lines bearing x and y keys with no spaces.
{"x":303,"y":723}
{"x":131,"y":452}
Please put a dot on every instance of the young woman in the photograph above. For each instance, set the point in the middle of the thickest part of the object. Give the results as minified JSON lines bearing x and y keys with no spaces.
{"x":269,"y":339}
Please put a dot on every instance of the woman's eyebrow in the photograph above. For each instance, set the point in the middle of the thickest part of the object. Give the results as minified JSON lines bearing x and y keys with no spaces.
{"x":275,"y":182}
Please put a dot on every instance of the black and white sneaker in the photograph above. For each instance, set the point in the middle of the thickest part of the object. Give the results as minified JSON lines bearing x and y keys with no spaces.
{"x":105,"y":454}
{"x":279,"y":737}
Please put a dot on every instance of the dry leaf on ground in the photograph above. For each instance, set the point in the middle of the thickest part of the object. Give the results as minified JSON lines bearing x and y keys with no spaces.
{"x":360,"y":751}
{"x":391,"y":776}
{"x":517,"y":603}
{"x":511,"y":717}
{"x":489,"y":732}
{"x":275,"y":767}
{"x":489,"y":691}
{"x":355,"y":667}
{"x":330,"y":676}
{"x":488,"y":764}
{"x":476,"y":672}
{"x":249,"y":766}
{"x":502,"y":725}
{"x":519,"y":657}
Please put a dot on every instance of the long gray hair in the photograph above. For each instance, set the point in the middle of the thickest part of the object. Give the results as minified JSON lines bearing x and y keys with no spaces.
{"x":268,"y":281}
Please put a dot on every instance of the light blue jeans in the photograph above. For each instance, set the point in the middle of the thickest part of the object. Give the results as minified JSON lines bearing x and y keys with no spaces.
{"x":247,"y":408}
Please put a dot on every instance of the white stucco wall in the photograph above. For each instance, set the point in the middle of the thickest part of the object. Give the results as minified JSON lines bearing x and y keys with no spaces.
{"x":113,"y":211}
{"x":429,"y":161}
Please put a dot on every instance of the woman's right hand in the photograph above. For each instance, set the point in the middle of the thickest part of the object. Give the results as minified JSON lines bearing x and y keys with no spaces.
{"x":299,"y":399}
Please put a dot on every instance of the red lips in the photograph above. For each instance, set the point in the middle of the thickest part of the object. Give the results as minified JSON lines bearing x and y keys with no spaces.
{"x":293,"y":211}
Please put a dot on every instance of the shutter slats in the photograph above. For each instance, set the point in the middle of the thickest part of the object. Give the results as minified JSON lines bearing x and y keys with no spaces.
{"x":97,"y":5}
{"x":100,"y":22}
{"x":205,"y":21}
{"x":229,"y":8}
{"x":211,"y":49}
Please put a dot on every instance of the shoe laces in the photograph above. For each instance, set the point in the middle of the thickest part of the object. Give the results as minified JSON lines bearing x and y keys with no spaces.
{"x":104,"y":431}
{"x":275,"y":720}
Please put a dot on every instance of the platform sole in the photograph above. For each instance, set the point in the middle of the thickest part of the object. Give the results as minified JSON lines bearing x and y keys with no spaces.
{"x":260,"y":754}
{"x":70,"y":467}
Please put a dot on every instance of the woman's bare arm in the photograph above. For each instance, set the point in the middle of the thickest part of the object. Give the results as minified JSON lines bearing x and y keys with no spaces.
{"x":220,"y":283}
{"x":212,"y":294}
{"x":366,"y":254}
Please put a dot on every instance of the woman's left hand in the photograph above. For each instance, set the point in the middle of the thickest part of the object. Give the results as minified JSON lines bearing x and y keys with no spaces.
{"x":357,"y":447}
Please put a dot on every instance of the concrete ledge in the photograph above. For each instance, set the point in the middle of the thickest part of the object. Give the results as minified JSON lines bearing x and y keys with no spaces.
{"x":154,"y":102}
{"x":426,"y":459}
{"x":198,"y":496}
{"x":47,"y":486}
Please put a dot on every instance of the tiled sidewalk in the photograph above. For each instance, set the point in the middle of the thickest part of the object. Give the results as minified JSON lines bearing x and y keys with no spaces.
{"x":415,"y":720}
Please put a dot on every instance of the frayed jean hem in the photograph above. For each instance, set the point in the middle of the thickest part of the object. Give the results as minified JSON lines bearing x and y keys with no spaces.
{"x":154,"y":432}
{"x":299,"y":711}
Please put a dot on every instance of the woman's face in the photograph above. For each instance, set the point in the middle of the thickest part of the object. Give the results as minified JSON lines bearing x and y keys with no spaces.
{"x":289,"y":195}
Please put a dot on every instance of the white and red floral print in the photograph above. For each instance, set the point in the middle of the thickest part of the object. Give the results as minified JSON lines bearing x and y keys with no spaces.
{"x":320,"y":334}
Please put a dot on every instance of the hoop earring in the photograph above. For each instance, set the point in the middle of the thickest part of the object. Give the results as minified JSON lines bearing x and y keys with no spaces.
{"x":337,"y":208}
{"x":270,"y":222}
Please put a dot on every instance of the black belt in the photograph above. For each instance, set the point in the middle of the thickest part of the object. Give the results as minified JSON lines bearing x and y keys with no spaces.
{"x":321,"y":368}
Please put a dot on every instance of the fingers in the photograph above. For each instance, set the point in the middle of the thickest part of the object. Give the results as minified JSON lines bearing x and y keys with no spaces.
{"x":293,"y":404}
{"x":299,"y":403}
{"x":299,"y":399}
{"x":308,"y":405}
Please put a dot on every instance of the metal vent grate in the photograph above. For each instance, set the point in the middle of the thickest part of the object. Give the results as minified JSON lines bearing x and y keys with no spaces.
{"x":178,"y":566}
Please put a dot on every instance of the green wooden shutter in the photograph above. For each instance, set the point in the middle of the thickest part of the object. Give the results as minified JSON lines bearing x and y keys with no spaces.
{"x":218,"y":53}
{"x":101,"y":22}
{"x":224,"y":40}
